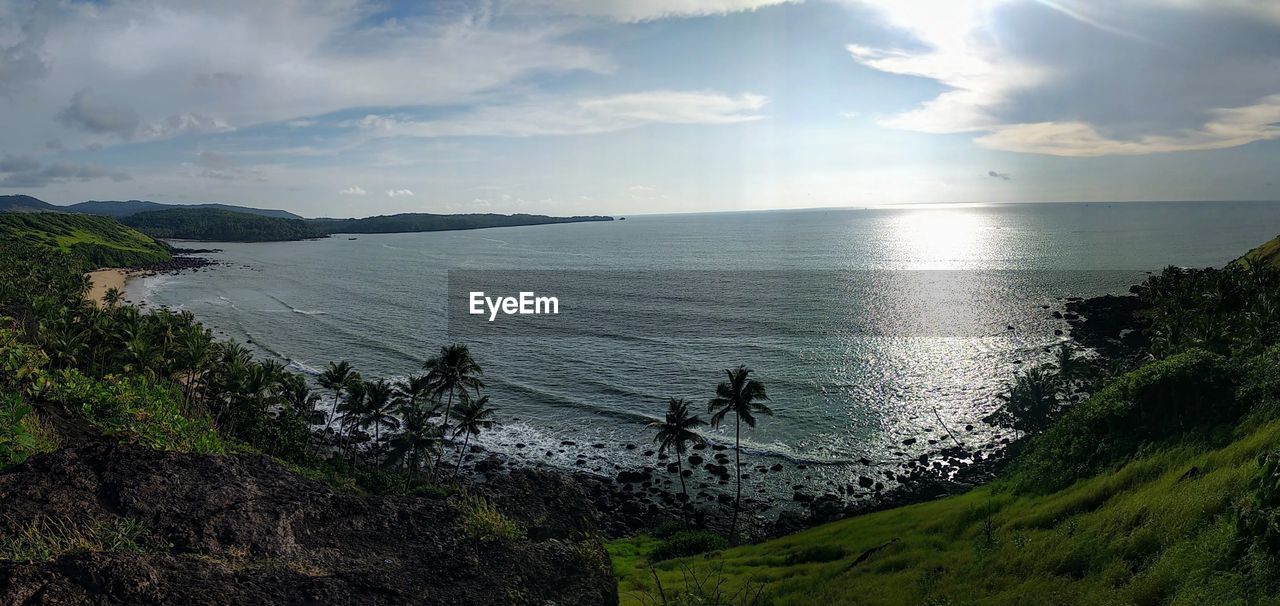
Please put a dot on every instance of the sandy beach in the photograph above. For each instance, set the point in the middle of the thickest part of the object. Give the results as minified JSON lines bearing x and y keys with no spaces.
{"x":106,"y":279}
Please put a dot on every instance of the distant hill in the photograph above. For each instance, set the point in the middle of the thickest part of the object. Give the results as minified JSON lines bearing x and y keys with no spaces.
{"x":25,"y":204}
{"x":415,"y":222}
{"x":95,"y":241}
{"x":125,"y":208}
{"x":218,"y":225}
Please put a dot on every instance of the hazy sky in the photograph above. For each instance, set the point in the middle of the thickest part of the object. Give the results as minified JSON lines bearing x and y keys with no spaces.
{"x":350,"y":108}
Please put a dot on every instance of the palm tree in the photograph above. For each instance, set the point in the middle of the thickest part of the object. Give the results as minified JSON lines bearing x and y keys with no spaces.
{"x":420,"y":438}
{"x":112,"y":297}
{"x":1031,"y":402}
{"x":473,"y":417}
{"x":742,"y":396}
{"x":676,"y":432}
{"x":378,"y":407}
{"x":451,"y":371}
{"x":335,"y":377}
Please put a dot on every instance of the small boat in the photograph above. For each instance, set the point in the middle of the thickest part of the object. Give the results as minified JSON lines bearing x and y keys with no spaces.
{"x":351,"y":238}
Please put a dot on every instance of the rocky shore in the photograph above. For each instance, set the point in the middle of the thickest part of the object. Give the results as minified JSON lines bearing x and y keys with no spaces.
{"x":640,"y":498}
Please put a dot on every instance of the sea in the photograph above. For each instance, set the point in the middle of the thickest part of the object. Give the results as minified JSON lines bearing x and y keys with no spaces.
{"x":882,"y":335}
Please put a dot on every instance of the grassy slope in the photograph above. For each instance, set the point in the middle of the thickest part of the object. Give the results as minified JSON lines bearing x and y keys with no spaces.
{"x":1266,"y":254}
{"x":100,"y":241}
{"x":1081,"y":545}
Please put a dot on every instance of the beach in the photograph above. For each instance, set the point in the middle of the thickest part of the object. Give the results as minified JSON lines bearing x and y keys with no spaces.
{"x":106,"y":279}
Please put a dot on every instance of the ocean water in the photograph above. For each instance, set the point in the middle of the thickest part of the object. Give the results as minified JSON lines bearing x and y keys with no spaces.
{"x":869,"y":327}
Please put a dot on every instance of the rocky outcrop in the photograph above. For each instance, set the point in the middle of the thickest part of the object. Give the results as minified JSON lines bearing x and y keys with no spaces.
{"x":245,"y":530}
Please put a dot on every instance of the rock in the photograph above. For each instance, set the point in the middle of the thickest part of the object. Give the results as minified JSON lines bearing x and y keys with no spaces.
{"x":908,"y":441}
{"x":865,"y":482}
{"x":326,"y":547}
{"x":775,"y":467}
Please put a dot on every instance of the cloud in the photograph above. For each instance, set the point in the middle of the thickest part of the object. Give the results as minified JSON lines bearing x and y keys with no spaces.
{"x":214,"y":165}
{"x":87,"y":113}
{"x":18,"y":164}
{"x":1002,"y":176}
{"x":396,"y":193}
{"x":1124,"y":90}
{"x":152,"y":69}
{"x":354,"y":190}
{"x":632,"y":11}
{"x":21,"y":61}
{"x":24,"y":171}
{"x":1229,"y":127}
{"x":182,"y":124}
{"x":587,"y":116}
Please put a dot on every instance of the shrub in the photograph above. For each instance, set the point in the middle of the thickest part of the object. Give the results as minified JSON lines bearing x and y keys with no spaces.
{"x":136,"y":409}
{"x":1189,"y":391}
{"x":687,"y":543}
{"x":483,"y":522}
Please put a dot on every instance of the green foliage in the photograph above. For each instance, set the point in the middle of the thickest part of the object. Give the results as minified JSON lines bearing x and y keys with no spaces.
{"x":1258,"y":519}
{"x":21,"y":433}
{"x":1147,"y":532}
{"x":219,"y":225}
{"x":687,"y":543}
{"x":45,"y":539}
{"x":1189,"y":391}
{"x":92,"y":241}
{"x":483,"y":523}
{"x":136,"y":409}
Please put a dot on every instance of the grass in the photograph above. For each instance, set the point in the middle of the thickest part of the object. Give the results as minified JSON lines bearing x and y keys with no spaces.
{"x":1142,"y":534}
{"x":46,"y":539}
{"x":98,"y":241}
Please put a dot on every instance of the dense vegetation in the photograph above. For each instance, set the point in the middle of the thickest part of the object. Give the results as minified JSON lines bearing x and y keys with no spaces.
{"x":89,"y":241}
{"x":1143,"y":479}
{"x":412,"y":222}
{"x":161,"y":380}
{"x":219,"y":225}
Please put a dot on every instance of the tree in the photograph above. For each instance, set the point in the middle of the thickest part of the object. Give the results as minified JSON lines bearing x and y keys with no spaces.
{"x":378,"y":407}
{"x":451,"y":371}
{"x":112,"y":297}
{"x":420,"y":438}
{"x":335,"y":377}
{"x":676,"y":432}
{"x":743,"y":397}
{"x":1031,"y":402}
{"x":474,"y":415}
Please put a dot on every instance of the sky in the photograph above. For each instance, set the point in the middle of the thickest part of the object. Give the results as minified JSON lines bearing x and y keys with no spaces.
{"x":356,"y":108}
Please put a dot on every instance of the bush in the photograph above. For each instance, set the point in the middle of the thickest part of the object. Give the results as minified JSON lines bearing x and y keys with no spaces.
{"x":687,"y":543}
{"x":136,"y":409}
{"x":1193,"y":390}
{"x":483,"y":522}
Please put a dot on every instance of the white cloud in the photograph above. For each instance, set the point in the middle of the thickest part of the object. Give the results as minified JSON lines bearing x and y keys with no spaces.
{"x":396,"y":193}
{"x":354,"y":190}
{"x":157,"y":69}
{"x":1229,"y":127}
{"x":632,"y":11}
{"x":595,"y":115}
{"x":983,"y":78}
{"x":956,"y":55}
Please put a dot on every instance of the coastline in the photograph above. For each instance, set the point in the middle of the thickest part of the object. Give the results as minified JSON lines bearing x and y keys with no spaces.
{"x":103,"y":280}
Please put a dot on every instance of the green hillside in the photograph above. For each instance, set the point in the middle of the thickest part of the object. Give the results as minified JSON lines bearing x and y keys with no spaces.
{"x":96,"y":241}
{"x":1163,"y":487}
{"x":219,"y":225}
{"x":1266,"y":254}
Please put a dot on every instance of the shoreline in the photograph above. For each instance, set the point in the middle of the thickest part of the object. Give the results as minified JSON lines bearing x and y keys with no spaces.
{"x":102,"y":280}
